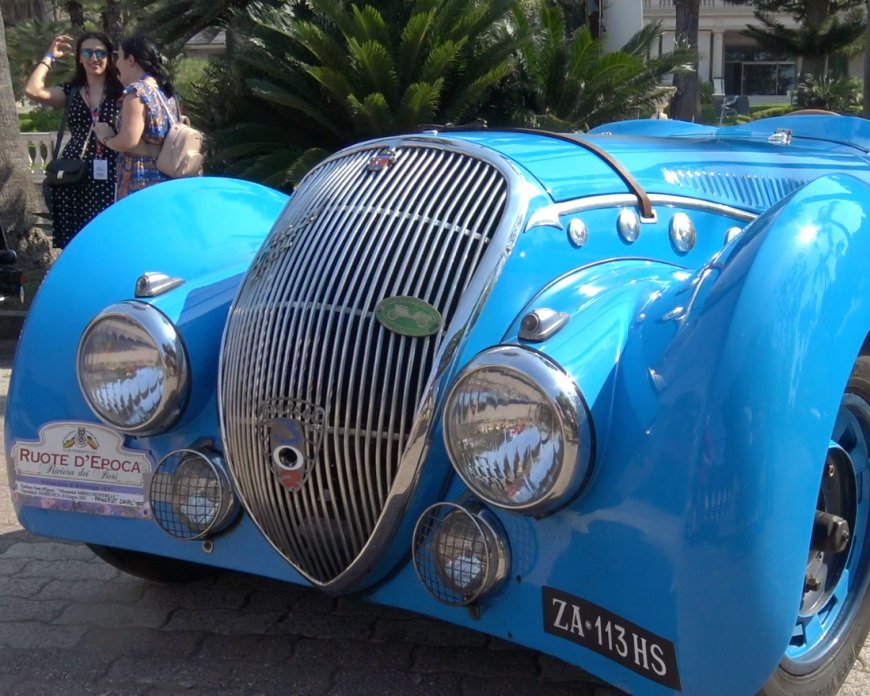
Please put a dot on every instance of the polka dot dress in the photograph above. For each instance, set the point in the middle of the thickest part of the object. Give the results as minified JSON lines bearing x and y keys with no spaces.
{"x":72,"y":207}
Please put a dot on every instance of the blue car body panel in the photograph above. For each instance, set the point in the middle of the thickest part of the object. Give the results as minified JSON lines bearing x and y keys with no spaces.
{"x":712,"y":378}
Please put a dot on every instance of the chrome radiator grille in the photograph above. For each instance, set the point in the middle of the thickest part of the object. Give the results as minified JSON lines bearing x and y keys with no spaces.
{"x":305,"y":355}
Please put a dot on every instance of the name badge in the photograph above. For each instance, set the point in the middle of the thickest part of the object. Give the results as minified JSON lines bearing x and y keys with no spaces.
{"x":101,"y":169}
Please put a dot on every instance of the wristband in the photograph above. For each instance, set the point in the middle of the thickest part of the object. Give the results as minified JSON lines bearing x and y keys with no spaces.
{"x":50,"y":57}
{"x":47,"y":65}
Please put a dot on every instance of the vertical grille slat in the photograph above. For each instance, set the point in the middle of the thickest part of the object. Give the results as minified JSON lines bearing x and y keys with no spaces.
{"x":304,"y":349}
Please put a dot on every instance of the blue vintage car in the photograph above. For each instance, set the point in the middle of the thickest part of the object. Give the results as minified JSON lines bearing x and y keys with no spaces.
{"x":604,"y":395}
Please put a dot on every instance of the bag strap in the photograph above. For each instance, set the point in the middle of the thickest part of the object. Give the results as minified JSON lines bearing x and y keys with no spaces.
{"x":87,"y":138}
{"x":62,"y":124}
{"x":69,"y":98}
{"x":172,"y":119}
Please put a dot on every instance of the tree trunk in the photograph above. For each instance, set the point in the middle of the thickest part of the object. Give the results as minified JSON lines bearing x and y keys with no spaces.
{"x":686,"y":103}
{"x":817,"y":12}
{"x":76,"y":16}
{"x":18,"y":198}
{"x":113,"y":22}
{"x":16,"y":10}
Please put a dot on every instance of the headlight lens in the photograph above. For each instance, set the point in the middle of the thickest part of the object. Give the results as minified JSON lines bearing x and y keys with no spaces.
{"x":517,"y":431}
{"x":132,"y":368}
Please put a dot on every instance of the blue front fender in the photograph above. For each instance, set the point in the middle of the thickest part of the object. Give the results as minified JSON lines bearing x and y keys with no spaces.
{"x":757,"y":349}
{"x":202,"y":230}
{"x":714,"y":395}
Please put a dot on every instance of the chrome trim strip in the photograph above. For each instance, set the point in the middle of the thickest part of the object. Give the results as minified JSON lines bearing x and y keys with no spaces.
{"x":549,"y":216}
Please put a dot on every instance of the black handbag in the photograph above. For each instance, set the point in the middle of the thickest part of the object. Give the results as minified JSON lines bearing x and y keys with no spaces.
{"x":63,"y":172}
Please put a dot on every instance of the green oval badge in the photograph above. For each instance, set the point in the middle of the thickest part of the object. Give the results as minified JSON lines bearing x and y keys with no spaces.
{"x":408,"y":316}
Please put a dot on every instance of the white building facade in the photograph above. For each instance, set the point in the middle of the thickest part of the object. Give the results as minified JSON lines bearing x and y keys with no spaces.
{"x":734,"y":63}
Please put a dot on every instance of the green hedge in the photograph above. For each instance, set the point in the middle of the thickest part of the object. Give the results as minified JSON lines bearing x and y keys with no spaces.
{"x":40,"y":120}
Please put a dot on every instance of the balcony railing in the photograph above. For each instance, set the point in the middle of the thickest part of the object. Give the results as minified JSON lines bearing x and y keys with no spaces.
{"x":667,"y":4}
{"x":40,"y":150}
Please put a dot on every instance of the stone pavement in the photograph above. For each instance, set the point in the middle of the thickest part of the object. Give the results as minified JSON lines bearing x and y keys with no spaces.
{"x":70,"y":625}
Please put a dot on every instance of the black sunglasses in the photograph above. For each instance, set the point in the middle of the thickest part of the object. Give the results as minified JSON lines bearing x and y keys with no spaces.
{"x":97,"y":53}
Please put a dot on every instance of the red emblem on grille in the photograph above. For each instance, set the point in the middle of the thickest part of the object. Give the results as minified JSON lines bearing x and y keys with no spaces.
{"x":381,"y":161}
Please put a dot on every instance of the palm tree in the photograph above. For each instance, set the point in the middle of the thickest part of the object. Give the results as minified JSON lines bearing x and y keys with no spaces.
{"x":572,"y":83}
{"x":824,"y":28}
{"x":348,"y":72}
{"x":815,"y":41}
{"x":26,"y":42}
{"x":113,"y":21}
{"x":176,"y":21}
{"x":18,"y":198}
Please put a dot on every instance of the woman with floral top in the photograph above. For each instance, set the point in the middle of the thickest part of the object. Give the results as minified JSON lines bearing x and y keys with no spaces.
{"x":144,"y":117}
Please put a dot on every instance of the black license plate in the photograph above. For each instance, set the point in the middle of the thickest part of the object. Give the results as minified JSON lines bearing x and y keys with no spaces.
{"x":595,"y":628}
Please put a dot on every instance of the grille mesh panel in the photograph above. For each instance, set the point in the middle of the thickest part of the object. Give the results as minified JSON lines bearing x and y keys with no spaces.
{"x":303,"y":343}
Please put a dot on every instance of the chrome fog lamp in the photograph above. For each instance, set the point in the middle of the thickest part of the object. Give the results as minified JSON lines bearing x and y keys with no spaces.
{"x":190,"y":494}
{"x":517,"y":431}
{"x":460,"y":553}
{"x":132,"y":368}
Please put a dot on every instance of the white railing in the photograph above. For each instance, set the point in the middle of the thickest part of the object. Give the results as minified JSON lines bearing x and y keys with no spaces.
{"x":40,"y":150}
{"x":663,"y":4}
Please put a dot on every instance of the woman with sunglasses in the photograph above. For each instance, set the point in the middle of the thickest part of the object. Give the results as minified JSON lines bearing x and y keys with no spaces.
{"x":93,"y":95}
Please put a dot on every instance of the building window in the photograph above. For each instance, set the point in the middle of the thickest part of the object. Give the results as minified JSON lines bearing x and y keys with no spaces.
{"x":751,"y":70}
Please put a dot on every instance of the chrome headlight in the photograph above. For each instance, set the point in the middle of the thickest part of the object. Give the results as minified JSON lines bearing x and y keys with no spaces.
{"x":190,"y":494}
{"x":132,"y":368}
{"x":517,"y":431}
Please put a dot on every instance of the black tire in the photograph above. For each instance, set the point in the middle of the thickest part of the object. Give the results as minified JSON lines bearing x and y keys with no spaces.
{"x":821,"y":666}
{"x":151,"y":567}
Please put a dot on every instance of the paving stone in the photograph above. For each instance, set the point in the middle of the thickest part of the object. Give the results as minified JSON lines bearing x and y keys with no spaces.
{"x":283,"y":602}
{"x":12,"y":586}
{"x":194,"y":596}
{"x":68,"y":570}
{"x":394,"y":683}
{"x":9,"y":567}
{"x":242,"y":648}
{"x":304,"y":624}
{"x":520,"y":686}
{"x":49,"y":550}
{"x":427,"y":632}
{"x":358,"y":654}
{"x":92,"y":591}
{"x":221,"y":621}
{"x":78,"y":662}
{"x":16,"y":609}
{"x":553,"y":669}
{"x":38,"y":634}
{"x":133,"y":641}
{"x":479,"y":661}
{"x":114,"y":615}
{"x":190,"y":675}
